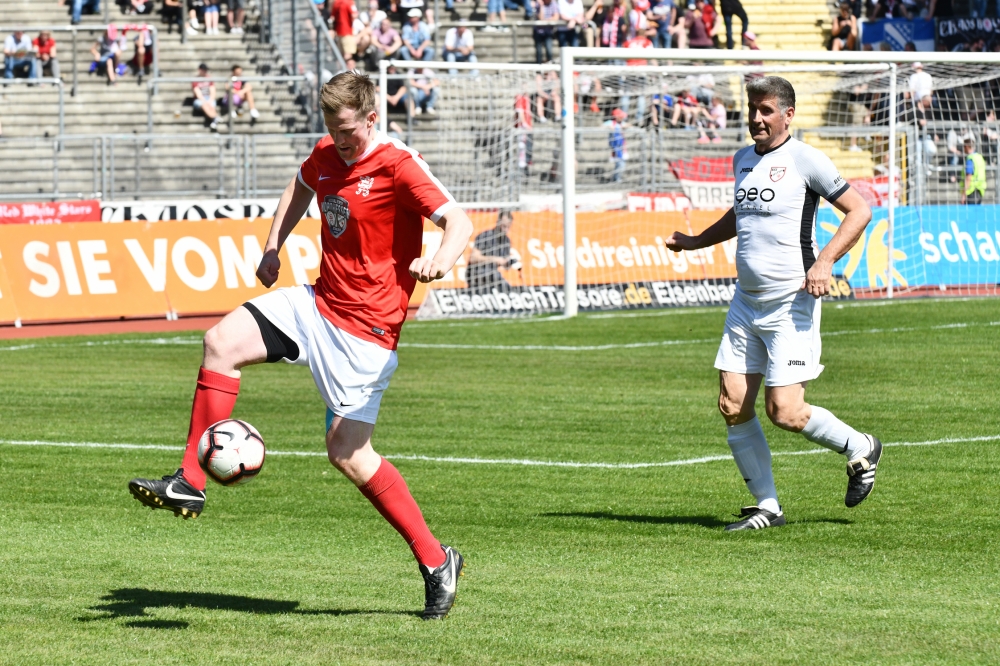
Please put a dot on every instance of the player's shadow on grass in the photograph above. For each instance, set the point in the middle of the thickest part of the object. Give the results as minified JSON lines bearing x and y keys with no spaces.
{"x":703,"y":521}
{"x":134,"y":603}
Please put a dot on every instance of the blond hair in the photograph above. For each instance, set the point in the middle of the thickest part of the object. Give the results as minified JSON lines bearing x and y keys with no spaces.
{"x":348,"y":90}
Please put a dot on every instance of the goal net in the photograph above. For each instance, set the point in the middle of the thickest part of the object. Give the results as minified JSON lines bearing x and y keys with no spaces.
{"x":651,"y":139}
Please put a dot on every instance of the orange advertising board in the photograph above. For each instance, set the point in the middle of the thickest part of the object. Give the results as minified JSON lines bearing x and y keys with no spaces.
{"x":150,"y":269}
{"x":616,"y":246}
{"x":98,"y":271}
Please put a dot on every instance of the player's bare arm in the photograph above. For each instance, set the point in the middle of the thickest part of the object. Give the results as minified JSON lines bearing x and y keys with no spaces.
{"x":721,"y":231}
{"x":292,"y":206}
{"x":857,"y":215}
{"x":457,"y":231}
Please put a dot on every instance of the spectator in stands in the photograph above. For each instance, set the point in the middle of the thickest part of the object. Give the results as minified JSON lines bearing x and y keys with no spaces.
{"x":416,"y":38}
{"x":975,"y":174}
{"x":615,"y":27}
{"x":93,"y":6}
{"x":425,"y":91}
{"x":573,"y":13}
{"x":616,"y":141}
{"x":195,"y":8}
{"x":548,"y":97}
{"x":712,"y":21}
{"x":713,"y":118}
{"x":921,"y":83}
{"x":844,"y":33}
{"x":638,"y":22}
{"x":491,"y":252}
{"x":211,"y":17}
{"x":19,"y":56}
{"x":955,"y":158}
{"x":45,"y":51}
{"x":407,"y":5}
{"x":684,"y":105}
{"x":661,"y":108}
{"x":395,"y":92}
{"x":525,"y":139}
{"x":459,"y":45}
{"x":594,"y":15}
{"x":386,"y":39}
{"x":235,"y":16}
{"x":204,"y":97}
{"x":861,"y":116}
{"x":729,"y":9}
{"x":548,"y":11}
{"x":106,"y":53}
{"x":702,"y":87}
{"x":142,"y":57}
{"x":240,"y":94}
{"x":664,"y":13}
{"x":342,"y":15}
{"x":583,"y":85}
{"x":173,"y":15}
{"x":495,"y":11}
{"x":698,"y":37}
{"x":372,"y":17}
{"x":136,"y":7}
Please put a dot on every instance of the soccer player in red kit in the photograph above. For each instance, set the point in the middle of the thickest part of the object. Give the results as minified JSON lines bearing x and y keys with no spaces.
{"x":373,"y":193}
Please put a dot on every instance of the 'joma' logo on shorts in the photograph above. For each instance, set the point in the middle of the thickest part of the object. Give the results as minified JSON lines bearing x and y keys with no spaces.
{"x":796,"y":363}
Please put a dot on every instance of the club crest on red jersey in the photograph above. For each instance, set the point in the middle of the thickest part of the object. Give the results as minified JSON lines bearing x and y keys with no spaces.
{"x":337,"y":211}
{"x":365,"y":185}
{"x":777,"y":173}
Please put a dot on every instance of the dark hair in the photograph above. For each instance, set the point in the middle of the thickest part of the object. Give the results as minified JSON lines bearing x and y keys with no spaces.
{"x":236,"y":67}
{"x":773,"y":86}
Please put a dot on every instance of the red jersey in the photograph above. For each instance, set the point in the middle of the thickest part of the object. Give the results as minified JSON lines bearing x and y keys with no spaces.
{"x":373,"y":211}
{"x":343,"y":21}
{"x":46,"y":48}
{"x":523,"y":119}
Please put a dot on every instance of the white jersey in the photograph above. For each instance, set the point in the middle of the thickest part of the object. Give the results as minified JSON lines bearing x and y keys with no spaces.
{"x":776,"y":198}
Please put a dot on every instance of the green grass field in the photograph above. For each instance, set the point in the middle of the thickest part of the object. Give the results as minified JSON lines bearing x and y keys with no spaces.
{"x":565,"y":564}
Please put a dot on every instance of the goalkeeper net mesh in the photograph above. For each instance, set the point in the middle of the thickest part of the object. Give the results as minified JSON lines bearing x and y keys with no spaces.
{"x":653,"y":145}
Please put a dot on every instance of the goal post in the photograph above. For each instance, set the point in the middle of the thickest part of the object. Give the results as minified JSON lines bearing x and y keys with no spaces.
{"x":600,"y":156}
{"x":974,"y":78}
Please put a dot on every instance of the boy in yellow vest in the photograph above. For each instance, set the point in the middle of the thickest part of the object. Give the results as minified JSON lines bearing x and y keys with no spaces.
{"x":975,"y":175}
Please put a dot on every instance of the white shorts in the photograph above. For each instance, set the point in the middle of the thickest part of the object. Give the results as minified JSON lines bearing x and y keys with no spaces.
{"x":350,"y":373}
{"x":778,"y":339}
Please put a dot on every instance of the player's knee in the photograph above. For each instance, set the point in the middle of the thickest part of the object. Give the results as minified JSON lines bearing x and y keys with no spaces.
{"x":730,"y":408}
{"x":214,"y":343}
{"x":787,"y":416}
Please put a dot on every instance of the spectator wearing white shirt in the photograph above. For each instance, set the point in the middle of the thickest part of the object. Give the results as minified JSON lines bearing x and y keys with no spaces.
{"x":921,"y":83}
{"x":19,"y":53}
{"x":573,"y":13}
{"x":458,"y":45}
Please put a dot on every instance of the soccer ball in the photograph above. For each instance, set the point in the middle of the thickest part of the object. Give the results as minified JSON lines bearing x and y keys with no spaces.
{"x":231,"y":452}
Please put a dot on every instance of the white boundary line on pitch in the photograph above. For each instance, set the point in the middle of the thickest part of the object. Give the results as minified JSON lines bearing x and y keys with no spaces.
{"x":446,"y":345}
{"x":497,"y":461}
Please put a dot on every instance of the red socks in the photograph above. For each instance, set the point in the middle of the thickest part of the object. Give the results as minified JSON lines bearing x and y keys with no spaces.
{"x":214,"y":398}
{"x":388,"y":492}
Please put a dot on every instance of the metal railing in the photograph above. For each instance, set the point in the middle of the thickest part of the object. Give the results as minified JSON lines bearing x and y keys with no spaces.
{"x":74,"y":29}
{"x":300,"y":36}
{"x":152,"y":89}
{"x":44,"y":81}
{"x":139,"y":166}
{"x":512,"y":25}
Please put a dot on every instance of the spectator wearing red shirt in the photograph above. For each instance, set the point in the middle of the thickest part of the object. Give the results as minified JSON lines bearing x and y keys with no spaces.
{"x":342,"y":15}
{"x":204,"y":97}
{"x":709,"y":16}
{"x":45,"y":49}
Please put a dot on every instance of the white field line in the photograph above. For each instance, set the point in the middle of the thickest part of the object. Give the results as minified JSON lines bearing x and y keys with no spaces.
{"x":435,"y":345}
{"x":498,"y":461}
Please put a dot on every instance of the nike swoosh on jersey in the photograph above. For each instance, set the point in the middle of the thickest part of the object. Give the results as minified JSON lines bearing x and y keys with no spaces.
{"x":325,"y":177}
{"x":177,"y":496}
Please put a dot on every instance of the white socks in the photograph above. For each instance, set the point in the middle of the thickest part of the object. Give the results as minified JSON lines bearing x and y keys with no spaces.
{"x":753,"y":458}
{"x":827,"y":430}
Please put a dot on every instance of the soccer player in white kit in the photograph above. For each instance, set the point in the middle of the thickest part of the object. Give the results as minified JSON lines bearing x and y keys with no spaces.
{"x":772,"y":329}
